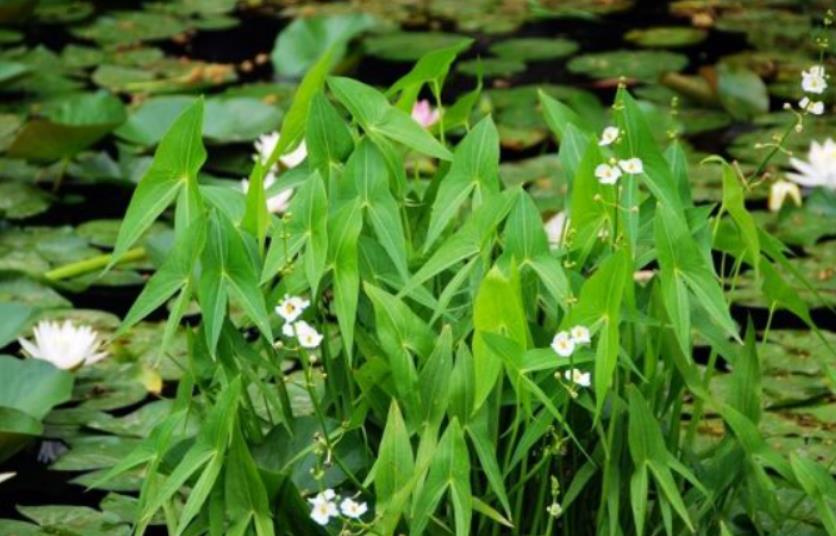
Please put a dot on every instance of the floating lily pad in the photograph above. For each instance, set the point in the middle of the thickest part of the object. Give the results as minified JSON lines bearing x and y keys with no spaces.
{"x":644,"y":65}
{"x":68,"y":125}
{"x":666,"y":36}
{"x":63,"y":12}
{"x":19,"y":200}
{"x":18,"y":288}
{"x":74,"y":520}
{"x":534,"y":48}
{"x":491,"y":67}
{"x":125,"y":27}
{"x":408,"y":46}
{"x":10,"y":71}
{"x":225,"y":119}
{"x":165,"y":75}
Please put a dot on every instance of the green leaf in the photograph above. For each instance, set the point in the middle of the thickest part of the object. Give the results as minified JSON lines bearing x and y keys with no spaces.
{"x":33,"y":386}
{"x":817,"y":482}
{"x":177,"y":161}
{"x":306,"y":39}
{"x":314,"y":218}
{"x":395,"y":463}
{"x":380,"y":119}
{"x":599,"y":303}
{"x":450,"y":469}
{"x":402,"y":334}
{"x":343,"y":232}
{"x":328,"y":138}
{"x":475,"y":168}
{"x":498,"y":308}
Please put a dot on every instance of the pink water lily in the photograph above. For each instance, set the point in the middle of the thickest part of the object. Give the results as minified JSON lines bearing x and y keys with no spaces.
{"x":424,"y":113}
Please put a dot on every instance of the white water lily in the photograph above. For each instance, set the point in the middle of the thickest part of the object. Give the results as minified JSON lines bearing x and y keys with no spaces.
{"x":353,"y":509}
{"x":578,"y":377}
{"x":554,"y":228}
{"x":265,"y":144}
{"x":814,"y":79}
{"x":609,"y":135}
{"x":779,"y":191}
{"x":563,"y":344}
{"x":64,"y":345}
{"x":424,"y":114}
{"x":291,"y":307}
{"x":307,"y":335}
{"x":632,"y":166}
{"x":275,"y":204}
{"x":820,"y":168}
{"x":607,"y":174}
{"x":6,"y":476}
{"x":580,"y":335}
{"x":810,"y":106}
{"x":324,"y":507}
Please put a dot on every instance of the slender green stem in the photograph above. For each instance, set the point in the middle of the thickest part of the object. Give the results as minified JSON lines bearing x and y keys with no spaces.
{"x":92,"y":264}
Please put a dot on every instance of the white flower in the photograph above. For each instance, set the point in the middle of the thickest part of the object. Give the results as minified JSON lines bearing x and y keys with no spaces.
{"x":643,"y":276}
{"x":563,"y":344}
{"x":820,"y":170}
{"x":308,"y":336}
{"x":267,"y":142}
{"x":813,"y":107}
{"x":609,"y":135}
{"x":291,"y":307}
{"x":778,"y":193}
{"x":287,"y":330}
{"x":64,"y":345}
{"x":607,"y":174}
{"x":813,"y":80}
{"x":578,"y":377}
{"x":278,"y":203}
{"x":6,"y":476}
{"x":353,"y":509}
{"x":324,"y":507}
{"x":580,"y":335}
{"x":633,"y":166}
{"x":554,"y":228}
{"x":554,"y":509}
{"x":424,"y":114}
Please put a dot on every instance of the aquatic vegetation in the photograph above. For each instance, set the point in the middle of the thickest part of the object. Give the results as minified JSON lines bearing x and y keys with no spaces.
{"x":408,"y":287}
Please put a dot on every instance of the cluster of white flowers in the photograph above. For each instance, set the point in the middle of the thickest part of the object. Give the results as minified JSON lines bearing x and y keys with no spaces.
{"x":64,"y":345}
{"x":324,"y":507}
{"x":564,"y":342}
{"x":424,"y":114}
{"x":290,"y":309}
{"x":264,"y":146}
{"x":813,"y":80}
{"x":610,"y":173}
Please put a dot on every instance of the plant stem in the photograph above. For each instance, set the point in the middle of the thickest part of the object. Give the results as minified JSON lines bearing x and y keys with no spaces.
{"x":92,"y":264}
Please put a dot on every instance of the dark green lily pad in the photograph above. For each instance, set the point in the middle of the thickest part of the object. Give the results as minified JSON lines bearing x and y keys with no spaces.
{"x":666,"y":36}
{"x":8,"y":37}
{"x":19,"y":200}
{"x":408,"y":46}
{"x":491,"y":67}
{"x":75,"y":520}
{"x":126,"y":27}
{"x":534,"y":48}
{"x":68,"y":125}
{"x":165,"y":75}
{"x":18,"y":288}
{"x":63,"y":12}
{"x":644,"y":65}
{"x":11,"y":71}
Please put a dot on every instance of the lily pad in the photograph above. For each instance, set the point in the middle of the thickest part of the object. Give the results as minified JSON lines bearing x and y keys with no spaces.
{"x":644,"y":65}
{"x":666,"y":36}
{"x":68,"y":125}
{"x":491,"y":67}
{"x":126,"y":27}
{"x":20,"y":200}
{"x":534,"y":48}
{"x":225,"y":119}
{"x":408,"y":46}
